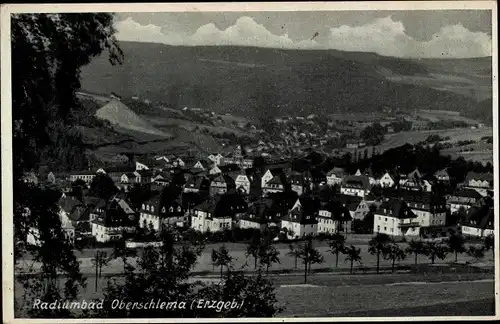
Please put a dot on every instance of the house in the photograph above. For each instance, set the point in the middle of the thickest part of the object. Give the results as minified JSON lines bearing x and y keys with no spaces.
{"x":221,"y":185}
{"x":333,"y":218}
{"x":260,"y":216}
{"x":479,"y":221}
{"x":144,"y":176}
{"x":67,"y":227}
{"x":242,"y":183}
{"x":178,"y":163}
{"x":335,"y":176}
{"x":355,"y":186}
{"x":395,"y":218}
{"x":129,"y":178}
{"x":354,"y":144}
{"x":413,"y":181}
{"x":301,"y":220}
{"x":85,"y":175}
{"x":481,"y":182}
{"x":270,"y":174}
{"x":140,"y":166}
{"x":387,"y":180}
{"x":201,"y":165}
{"x":276,"y":184}
{"x":464,"y":198}
{"x":442,"y":175}
{"x":217,"y":158}
{"x":357,"y":206}
{"x":197,"y":184}
{"x":158,"y":213}
{"x":116,"y":218}
{"x":162,"y":179}
{"x":79,"y":213}
{"x":430,"y":210}
{"x":298,"y":183}
{"x":212,"y":215}
{"x":215,"y":170}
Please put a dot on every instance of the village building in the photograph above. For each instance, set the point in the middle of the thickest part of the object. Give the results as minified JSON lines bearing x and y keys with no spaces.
{"x":157,"y":213}
{"x":335,"y":176}
{"x":243,"y":183}
{"x":85,"y":175}
{"x":298,"y":183}
{"x":140,"y":166}
{"x":387,"y":180}
{"x":442,"y":175}
{"x":215,"y":170}
{"x":333,"y":218}
{"x":216,"y":158}
{"x":197,"y":184}
{"x":479,"y":221}
{"x":301,"y":220}
{"x":221,"y":185}
{"x":212,"y":216}
{"x":355,"y":186}
{"x":276,"y":184}
{"x":395,"y":218}
{"x":464,"y":198}
{"x":357,"y":206}
{"x":481,"y":182}
{"x":116,"y":218}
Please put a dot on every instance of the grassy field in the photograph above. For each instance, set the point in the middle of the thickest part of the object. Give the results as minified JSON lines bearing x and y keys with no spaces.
{"x":341,"y":295}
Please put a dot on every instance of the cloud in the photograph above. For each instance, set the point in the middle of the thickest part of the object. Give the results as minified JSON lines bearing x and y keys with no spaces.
{"x":383,"y":36}
{"x":388,"y":37}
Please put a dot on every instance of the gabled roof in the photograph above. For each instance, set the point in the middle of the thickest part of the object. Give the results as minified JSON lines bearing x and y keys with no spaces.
{"x":480,"y":217}
{"x":479,"y":176}
{"x":353,"y":181}
{"x":117,"y":214}
{"x":350,"y":202}
{"x":395,"y":208}
{"x":277,"y":180}
{"x":337,"y":171}
{"x":467,"y":193}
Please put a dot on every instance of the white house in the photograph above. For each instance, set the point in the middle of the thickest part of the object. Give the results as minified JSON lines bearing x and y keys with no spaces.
{"x":395,"y":218}
{"x":333,"y":218}
{"x":214,"y":170}
{"x":155,"y":213}
{"x":116,"y":218}
{"x":481,"y":182}
{"x":276,"y":184}
{"x":86,"y":176}
{"x":217,"y":159}
{"x":429,"y":211}
{"x":355,"y":186}
{"x":140,"y":166}
{"x":479,"y":221}
{"x":335,"y":176}
{"x":301,"y":220}
{"x":464,"y":198}
{"x":211,"y":217}
{"x":243,"y":182}
{"x":387,"y":180}
{"x":266,"y":177}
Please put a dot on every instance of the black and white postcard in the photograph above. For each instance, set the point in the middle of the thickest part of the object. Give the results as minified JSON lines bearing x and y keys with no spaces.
{"x":273,"y":161}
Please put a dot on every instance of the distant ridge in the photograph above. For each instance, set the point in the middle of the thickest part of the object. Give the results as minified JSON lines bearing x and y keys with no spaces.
{"x":119,"y":114}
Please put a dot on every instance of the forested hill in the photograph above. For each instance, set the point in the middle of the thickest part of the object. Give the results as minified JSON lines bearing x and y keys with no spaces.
{"x":260,"y":82}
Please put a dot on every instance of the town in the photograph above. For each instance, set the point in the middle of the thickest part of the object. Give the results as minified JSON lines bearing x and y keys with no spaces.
{"x":292,"y":198}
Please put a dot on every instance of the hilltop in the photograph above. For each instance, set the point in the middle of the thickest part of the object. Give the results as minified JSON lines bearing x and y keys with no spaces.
{"x":263,"y":82}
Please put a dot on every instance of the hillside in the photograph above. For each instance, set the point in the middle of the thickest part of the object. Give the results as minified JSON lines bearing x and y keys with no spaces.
{"x":259,"y":82}
{"x":120,"y":115}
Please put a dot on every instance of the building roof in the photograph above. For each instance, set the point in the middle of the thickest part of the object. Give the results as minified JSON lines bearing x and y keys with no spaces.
{"x":354,"y":181}
{"x":337,"y":171}
{"x":350,"y":202}
{"x":466,"y":193}
{"x":479,"y":176}
{"x":480,"y":217}
{"x":395,"y":208}
{"x":117,"y":214}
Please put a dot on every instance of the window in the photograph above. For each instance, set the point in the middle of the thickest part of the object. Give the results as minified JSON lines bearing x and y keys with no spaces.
{"x":385,"y":228}
{"x":386,"y":219}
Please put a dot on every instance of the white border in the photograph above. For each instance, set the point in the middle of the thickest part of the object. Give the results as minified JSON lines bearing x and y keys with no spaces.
{"x":6,"y":128}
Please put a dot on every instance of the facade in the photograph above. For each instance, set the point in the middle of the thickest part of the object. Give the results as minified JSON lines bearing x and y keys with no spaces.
{"x":333,"y":218}
{"x":481,"y":182}
{"x":116,"y":218}
{"x":221,"y":185}
{"x":301,"y":220}
{"x":86,"y":176}
{"x":387,"y":180}
{"x":395,"y":218}
{"x":355,"y":186}
{"x":217,"y":158}
{"x":140,"y":166}
{"x":335,"y":176}
{"x":479,"y":221}
{"x":211,"y":216}
{"x":157,"y":214}
{"x":242,"y":182}
{"x":464,"y":198}
{"x":276,"y":184}
{"x":196,"y":184}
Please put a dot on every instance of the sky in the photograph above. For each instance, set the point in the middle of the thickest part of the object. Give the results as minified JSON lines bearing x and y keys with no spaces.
{"x":409,"y":34}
